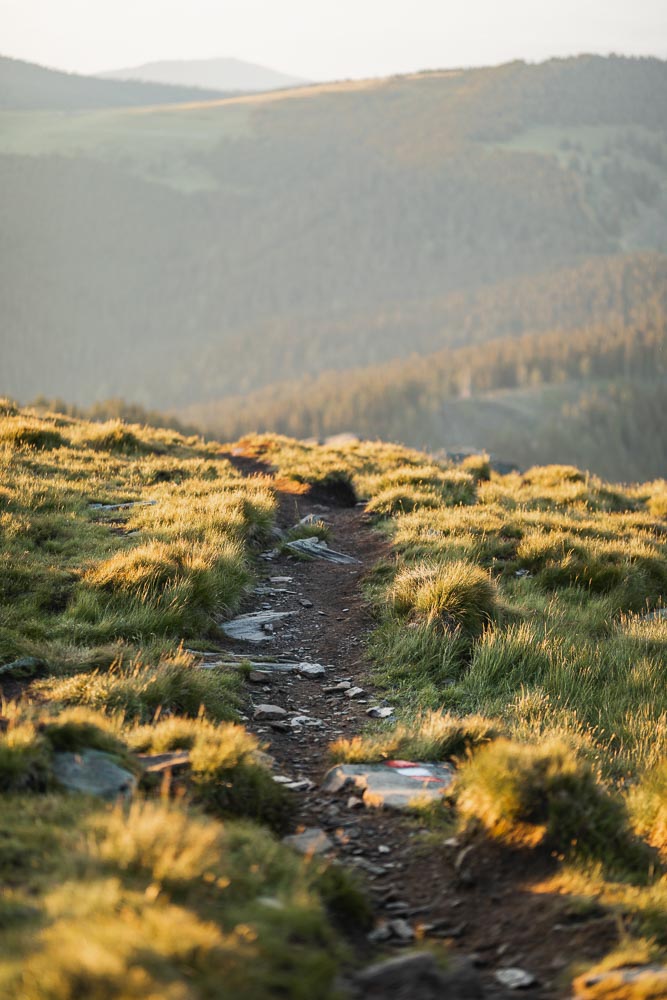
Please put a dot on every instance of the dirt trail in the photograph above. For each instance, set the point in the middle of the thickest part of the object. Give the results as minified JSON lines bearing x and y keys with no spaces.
{"x":484,"y":903}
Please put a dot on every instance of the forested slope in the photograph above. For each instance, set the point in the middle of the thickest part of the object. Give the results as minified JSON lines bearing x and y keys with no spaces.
{"x":186,"y":254}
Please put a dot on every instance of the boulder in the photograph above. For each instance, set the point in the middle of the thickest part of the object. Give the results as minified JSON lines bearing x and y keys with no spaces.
{"x":393,"y":784}
{"x":92,"y":772}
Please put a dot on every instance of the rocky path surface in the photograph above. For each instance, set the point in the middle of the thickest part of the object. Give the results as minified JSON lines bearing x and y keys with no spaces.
{"x":465,"y":895}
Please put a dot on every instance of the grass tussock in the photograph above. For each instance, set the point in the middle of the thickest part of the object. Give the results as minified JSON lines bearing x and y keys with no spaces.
{"x":647,"y":802}
{"x":141,"y":692}
{"x":531,"y":794}
{"x":432,"y":736}
{"x":456,"y":595}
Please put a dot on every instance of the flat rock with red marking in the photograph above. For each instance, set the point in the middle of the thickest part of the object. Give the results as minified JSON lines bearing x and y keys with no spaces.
{"x":393,"y":784}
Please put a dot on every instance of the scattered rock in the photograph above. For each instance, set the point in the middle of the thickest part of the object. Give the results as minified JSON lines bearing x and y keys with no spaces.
{"x":311,"y":841}
{"x":259,"y":676}
{"x":417,"y":976}
{"x":515,"y":979}
{"x":93,"y":773}
{"x":305,"y":603}
{"x":251,"y":628}
{"x":318,"y":549}
{"x":24,"y":665}
{"x":355,"y":803}
{"x":269,"y":712}
{"x":393,"y":784}
{"x":311,"y":670}
{"x":312,"y":519}
{"x":401,"y":929}
{"x":337,"y":688}
{"x":354,"y":692}
{"x":380,"y":712}
{"x":305,"y":720}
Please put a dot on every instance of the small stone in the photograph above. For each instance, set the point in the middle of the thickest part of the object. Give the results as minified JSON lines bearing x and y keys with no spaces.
{"x":305,"y":603}
{"x":311,"y":841}
{"x":336,"y":688}
{"x":401,"y":929}
{"x":515,"y":979}
{"x":354,"y":692}
{"x":383,"y":849}
{"x":259,"y":676}
{"x":311,"y":670}
{"x":379,"y":712}
{"x":269,"y":712}
{"x":354,"y":803}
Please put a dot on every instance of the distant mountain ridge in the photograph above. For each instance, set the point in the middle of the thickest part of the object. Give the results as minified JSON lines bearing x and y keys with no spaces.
{"x":26,"y":86}
{"x":209,"y":74}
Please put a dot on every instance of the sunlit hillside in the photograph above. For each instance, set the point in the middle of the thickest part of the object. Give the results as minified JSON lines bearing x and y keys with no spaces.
{"x":186,"y":254}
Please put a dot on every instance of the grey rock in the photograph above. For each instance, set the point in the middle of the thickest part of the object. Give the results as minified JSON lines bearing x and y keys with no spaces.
{"x":92,"y":772}
{"x":354,"y":692}
{"x":417,"y":976}
{"x":515,"y":979}
{"x":311,"y":670}
{"x":251,"y":627}
{"x":269,"y":712}
{"x":401,"y":929}
{"x":389,"y":786}
{"x":318,"y":549}
{"x":259,"y":676}
{"x":380,"y":712}
{"x":25,"y":664}
{"x":312,"y":841}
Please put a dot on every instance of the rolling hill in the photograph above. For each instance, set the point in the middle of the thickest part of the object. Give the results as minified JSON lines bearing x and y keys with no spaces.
{"x":209,"y":74}
{"x":27,"y":87}
{"x":182,"y":255}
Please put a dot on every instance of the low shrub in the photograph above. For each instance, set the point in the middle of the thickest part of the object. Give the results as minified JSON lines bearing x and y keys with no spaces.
{"x":430,"y":736}
{"x":24,"y":759}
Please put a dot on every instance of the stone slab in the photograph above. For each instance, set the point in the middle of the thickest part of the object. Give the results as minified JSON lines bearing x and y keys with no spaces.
{"x":393,"y":784}
{"x":92,"y":772}
{"x":250,"y":628}
{"x":318,"y":549}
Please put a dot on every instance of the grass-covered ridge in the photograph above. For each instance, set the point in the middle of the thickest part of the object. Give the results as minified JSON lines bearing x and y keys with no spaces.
{"x":117,"y":543}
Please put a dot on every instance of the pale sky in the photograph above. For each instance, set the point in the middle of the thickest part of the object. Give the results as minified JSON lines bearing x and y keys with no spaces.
{"x":326,"y":39}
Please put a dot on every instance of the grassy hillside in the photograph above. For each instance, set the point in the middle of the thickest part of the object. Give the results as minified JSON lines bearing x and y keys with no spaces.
{"x":27,"y":87}
{"x":95,"y":605}
{"x":510,"y":630}
{"x":186,"y":254}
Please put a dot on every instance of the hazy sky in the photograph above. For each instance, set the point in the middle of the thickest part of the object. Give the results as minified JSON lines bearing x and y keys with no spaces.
{"x":324,"y":39}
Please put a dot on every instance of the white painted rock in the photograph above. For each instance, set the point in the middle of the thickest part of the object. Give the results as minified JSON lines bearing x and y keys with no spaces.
{"x":394,"y":784}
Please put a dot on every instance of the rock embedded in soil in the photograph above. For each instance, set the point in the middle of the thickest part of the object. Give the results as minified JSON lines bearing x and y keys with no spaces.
{"x":417,"y":976}
{"x":311,"y":841}
{"x":311,"y":670}
{"x":269,"y":712}
{"x":392,"y":784}
{"x":379,"y":712}
{"x":252,"y":627}
{"x":318,"y":549}
{"x":515,"y":979}
{"x":93,"y":772}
